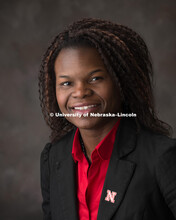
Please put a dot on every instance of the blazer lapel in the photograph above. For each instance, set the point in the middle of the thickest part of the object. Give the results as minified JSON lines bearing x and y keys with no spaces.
{"x":120,"y":171}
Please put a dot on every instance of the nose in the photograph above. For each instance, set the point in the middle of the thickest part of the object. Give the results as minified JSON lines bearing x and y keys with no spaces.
{"x":81,"y":90}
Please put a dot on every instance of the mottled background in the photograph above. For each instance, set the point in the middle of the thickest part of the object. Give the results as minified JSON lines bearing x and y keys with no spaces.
{"x":27,"y":28}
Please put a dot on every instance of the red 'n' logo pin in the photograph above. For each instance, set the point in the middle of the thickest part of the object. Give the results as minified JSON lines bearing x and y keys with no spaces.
{"x":110,"y":197}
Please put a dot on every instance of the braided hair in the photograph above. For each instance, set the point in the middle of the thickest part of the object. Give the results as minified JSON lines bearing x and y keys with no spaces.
{"x":126,"y":58}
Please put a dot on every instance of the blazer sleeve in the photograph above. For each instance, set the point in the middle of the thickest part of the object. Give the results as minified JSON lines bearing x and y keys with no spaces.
{"x":166,"y":176}
{"x":45,"y":182}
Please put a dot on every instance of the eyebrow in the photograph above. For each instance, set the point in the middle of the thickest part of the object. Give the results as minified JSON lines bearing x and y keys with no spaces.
{"x":90,"y":73}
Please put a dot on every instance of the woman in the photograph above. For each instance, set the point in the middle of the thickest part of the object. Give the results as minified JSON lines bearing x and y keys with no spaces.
{"x":99,"y":164}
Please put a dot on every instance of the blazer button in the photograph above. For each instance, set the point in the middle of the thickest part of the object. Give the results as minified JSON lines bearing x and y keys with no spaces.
{"x":57,"y":165}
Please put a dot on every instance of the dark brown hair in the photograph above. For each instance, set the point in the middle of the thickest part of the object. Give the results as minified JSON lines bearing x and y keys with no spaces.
{"x":126,"y":58}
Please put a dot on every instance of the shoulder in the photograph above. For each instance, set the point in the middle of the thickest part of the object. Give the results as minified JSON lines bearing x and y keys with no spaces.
{"x":156,"y":144}
{"x":61,"y":148}
{"x":153,"y":152}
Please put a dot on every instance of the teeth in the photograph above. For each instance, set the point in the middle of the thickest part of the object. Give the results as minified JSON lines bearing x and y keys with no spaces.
{"x":84,"y":107}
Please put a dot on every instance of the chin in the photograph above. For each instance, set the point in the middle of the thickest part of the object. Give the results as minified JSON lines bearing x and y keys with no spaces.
{"x":88,"y":123}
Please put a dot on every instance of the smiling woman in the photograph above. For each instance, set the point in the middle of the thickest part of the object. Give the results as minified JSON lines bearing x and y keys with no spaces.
{"x":104,"y":167}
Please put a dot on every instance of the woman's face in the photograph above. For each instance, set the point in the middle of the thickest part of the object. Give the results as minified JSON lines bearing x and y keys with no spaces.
{"x":83,"y":85}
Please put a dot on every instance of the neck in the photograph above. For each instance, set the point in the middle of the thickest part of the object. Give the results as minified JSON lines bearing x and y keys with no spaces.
{"x":92,"y":137}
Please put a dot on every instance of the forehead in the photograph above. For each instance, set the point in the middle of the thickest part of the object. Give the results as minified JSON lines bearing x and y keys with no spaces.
{"x":74,"y":57}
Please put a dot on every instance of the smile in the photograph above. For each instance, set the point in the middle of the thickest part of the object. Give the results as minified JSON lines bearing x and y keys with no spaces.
{"x":84,"y":107}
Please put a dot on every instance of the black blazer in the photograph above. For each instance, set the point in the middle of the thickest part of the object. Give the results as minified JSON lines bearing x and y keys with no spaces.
{"x":142,"y":170}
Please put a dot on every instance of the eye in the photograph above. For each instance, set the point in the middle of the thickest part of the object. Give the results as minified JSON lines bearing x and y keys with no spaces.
{"x":96,"y":78}
{"x":67,"y":83}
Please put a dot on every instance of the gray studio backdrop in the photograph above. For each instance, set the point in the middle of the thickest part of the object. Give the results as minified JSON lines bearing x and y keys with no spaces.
{"x":27,"y":27}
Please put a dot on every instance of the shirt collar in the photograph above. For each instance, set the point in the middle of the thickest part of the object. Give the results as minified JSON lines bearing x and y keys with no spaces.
{"x":76,"y":149}
{"x":103,"y":150}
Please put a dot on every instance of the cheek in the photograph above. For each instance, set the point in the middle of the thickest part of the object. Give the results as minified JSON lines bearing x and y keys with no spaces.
{"x":61,"y":99}
{"x":113,"y":96}
{"x":108,"y":92}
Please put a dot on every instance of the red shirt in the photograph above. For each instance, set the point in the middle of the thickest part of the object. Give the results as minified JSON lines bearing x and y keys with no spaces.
{"x":90,"y":180}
